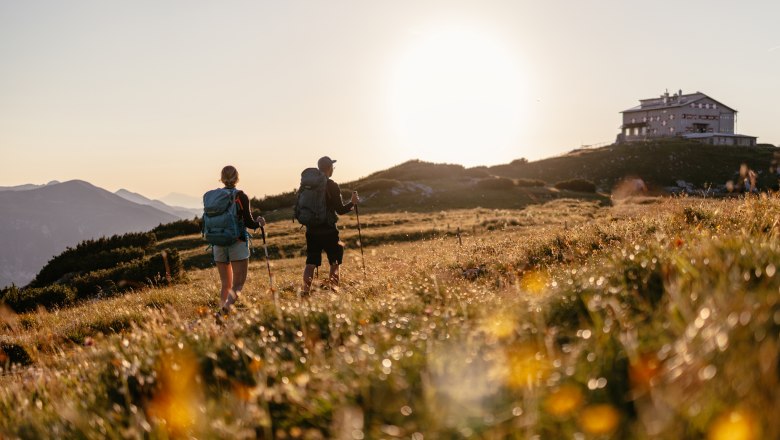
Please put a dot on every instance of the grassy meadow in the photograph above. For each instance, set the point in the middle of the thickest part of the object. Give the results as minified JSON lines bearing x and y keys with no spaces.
{"x":659,"y":162}
{"x":646,"y":318}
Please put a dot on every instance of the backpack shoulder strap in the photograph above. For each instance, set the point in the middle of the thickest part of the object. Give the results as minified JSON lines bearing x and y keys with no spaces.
{"x":237,"y":199}
{"x":327,"y":191}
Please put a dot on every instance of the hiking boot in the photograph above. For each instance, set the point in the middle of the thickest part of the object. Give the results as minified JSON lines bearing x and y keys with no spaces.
{"x":231,"y":299}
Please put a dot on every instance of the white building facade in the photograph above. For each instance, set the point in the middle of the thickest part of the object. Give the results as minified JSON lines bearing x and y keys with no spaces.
{"x":693,"y":116}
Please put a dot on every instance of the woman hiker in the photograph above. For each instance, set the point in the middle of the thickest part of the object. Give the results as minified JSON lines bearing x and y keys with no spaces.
{"x":233,"y":261}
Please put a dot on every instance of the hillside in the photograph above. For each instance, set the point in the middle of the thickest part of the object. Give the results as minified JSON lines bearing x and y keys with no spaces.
{"x":656,"y":319}
{"x":36,"y":224}
{"x":422,"y":186}
{"x":660,"y":163}
{"x":416,"y":186}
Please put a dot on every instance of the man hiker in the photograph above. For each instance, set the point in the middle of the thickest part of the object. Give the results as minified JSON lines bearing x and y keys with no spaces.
{"x":324,"y":236}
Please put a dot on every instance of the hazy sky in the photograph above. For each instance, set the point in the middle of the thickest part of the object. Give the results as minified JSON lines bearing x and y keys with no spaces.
{"x":157,"y":96}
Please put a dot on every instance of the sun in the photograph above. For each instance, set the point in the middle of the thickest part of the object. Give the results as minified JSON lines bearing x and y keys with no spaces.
{"x":456,"y":96}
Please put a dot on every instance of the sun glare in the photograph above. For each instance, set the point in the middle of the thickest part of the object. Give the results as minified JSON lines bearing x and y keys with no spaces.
{"x":457,"y":96}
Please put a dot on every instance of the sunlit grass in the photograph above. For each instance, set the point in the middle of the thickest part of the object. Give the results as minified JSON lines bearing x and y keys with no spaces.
{"x":734,"y":425}
{"x":176,"y":401}
{"x":636,"y":321}
{"x":563,"y":401}
{"x":599,"y":420}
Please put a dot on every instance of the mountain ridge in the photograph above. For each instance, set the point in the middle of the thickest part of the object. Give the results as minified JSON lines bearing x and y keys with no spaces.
{"x":183,"y":200}
{"x":39,"y":223}
{"x":27,"y":186}
{"x":178,"y":211}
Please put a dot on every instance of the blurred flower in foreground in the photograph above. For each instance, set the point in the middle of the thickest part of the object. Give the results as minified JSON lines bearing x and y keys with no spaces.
{"x":734,"y":425}
{"x":643,"y":370}
{"x":599,"y":419}
{"x":242,"y":392}
{"x":459,"y":380}
{"x":534,"y":282}
{"x":256,"y":365}
{"x":501,"y":325}
{"x":564,"y":400}
{"x":178,"y":395}
{"x":526,"y":366}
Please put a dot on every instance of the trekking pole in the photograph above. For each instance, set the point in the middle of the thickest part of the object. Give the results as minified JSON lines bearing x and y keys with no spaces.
{"x":268,"y":265}
{"x":360,"y":241}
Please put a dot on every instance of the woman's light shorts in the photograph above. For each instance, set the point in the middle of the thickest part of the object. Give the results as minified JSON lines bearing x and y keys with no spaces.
{"x":235,"y":252}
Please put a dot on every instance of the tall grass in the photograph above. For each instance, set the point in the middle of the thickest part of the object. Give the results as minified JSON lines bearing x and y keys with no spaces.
{"x":638,"y":321}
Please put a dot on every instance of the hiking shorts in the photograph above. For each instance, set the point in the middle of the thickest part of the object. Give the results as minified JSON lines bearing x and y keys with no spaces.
{"x":235,"y":252}
{"x":327,"y":241}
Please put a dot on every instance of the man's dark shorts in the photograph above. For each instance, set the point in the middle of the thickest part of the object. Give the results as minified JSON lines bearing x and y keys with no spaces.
{"x":327,"y":241}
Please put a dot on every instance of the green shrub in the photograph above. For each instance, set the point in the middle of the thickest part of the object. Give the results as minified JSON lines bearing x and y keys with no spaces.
{"x":694,"y":216}
{"x":132,"y":239}
{"x":644,"y":282}
{"x":527,"y":183}
{"x":521,"y":161}
{"x":155,"y":267}
{"x":135,"y":274}
{"x":499,"y":223}
{"x":477,"y":172}
{"x":103,"y":324}
{"x":13,"y":354}
{"x":95,"y":254}
{"x":26,"y":300}
{"x":496,"y":184}
{"x":579,"y":185}
{"x":177,"y":229}
{"x":6,"y":290}
{"x":61,"y":266}
{"x":566,"y":313}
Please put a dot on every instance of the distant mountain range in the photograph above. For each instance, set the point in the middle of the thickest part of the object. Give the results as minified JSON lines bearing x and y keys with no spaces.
{"x":187,"y":201}
{"x":173,"y":210}
{"x":38,"y":222}
{"x":26,"y":187}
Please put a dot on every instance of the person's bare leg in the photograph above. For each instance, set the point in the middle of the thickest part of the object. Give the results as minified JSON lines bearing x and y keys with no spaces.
{"x":308,"y":276}
{"x":240,"y":269}
{"x":334,"y":276}
{"x":226,"y":278}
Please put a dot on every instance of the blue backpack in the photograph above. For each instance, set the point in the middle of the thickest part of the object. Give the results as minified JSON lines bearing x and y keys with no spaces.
{"x":222,"y":225}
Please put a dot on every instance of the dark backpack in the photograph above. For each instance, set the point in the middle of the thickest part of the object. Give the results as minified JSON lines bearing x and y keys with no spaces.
{"x":222,"y":225}
{"x":311,"y":208}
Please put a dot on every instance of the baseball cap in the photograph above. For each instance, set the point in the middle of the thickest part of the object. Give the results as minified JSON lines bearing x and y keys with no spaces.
{"x":325,"y":162}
